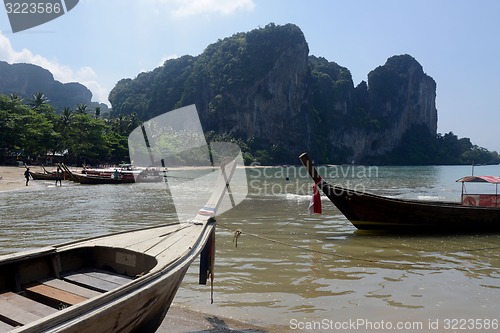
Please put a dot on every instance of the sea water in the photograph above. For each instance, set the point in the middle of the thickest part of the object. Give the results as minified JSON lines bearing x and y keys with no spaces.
{"x":291,"y":269}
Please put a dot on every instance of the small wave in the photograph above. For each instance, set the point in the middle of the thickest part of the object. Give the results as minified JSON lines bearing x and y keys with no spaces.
{"x":298,"y":197}
{"x":430,"y":197}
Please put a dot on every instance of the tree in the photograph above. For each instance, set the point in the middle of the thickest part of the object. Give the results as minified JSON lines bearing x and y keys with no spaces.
{"x":65,"y":118}
{"x":98,"y":112}
{"x":86,"y":140}
{"x":81,"y":108}
{"x":38,"y":136}
{"x":16,"y":97}
{"x":23,"y":129}
{"x":38,"y":100}
{"x":9,"y":125}
{"x":62,"y":126}
{"x":33,"y":132}
{"x":124,"y":125}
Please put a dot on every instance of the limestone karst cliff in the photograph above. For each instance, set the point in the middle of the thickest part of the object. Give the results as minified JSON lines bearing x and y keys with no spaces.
{"x":263,"y":87}
{"x":26,"y":80}
{"x":399,"y":97}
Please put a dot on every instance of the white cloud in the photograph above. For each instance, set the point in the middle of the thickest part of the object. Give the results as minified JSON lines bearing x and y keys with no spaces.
{"x":224,"y":7}
{"x":84,"y":75}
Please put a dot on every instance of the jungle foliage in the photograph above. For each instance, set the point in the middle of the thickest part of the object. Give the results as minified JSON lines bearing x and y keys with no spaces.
{"x":32,"y":131}
{"x":420,"y":147}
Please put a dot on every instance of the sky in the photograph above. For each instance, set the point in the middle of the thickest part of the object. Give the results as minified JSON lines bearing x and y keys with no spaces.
{"x":99,"y":42}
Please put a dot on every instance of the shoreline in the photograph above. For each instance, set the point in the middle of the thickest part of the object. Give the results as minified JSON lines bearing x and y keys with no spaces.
{"x":186,"y":320}
{"x":12,"y":178}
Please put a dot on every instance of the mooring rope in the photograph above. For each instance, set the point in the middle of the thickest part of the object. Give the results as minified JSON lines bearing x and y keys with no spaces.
{"x":239,"y":232}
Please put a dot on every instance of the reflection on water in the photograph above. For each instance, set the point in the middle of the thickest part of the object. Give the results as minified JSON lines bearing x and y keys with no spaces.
{"x":288,"y":264}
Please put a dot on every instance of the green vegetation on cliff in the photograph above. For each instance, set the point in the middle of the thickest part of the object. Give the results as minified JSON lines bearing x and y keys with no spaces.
{"x":420,"y":147}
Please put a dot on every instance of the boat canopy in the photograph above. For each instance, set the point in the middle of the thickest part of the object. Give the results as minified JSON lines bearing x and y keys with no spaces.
{"x":480,"y":179}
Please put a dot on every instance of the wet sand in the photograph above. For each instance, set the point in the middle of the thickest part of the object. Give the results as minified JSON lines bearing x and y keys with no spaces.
{"x":182,"y":320}
{"x":178,"y":319}
{"x":12,"y":178}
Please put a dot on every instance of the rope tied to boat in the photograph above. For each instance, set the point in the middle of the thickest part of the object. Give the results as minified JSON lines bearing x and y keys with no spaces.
{"x":237,"y":234}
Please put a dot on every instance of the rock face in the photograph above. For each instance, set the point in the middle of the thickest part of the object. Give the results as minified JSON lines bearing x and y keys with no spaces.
{"x":399,"y":97}
{"x":268,"y":106}
{"x":26,"y":80}
{"x":262,"y":87}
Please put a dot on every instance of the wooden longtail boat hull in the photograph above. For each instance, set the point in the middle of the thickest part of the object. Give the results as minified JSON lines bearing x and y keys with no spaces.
{"x":125,"y":178}
{"x":46,"y":175}
{"x":86,"y":179}
{"x":43,"y":176}
{"x":368,"y":211}
{"x":119,"y":283}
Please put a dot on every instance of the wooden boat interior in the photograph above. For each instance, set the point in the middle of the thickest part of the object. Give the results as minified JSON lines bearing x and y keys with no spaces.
{"x":45,"y":283}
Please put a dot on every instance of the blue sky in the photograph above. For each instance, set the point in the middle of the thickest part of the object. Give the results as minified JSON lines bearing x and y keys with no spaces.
{"x":102,"y":41}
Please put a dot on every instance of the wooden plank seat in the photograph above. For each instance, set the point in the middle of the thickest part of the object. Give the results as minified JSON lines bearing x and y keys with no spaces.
{"x":98,"y":280}
{"x":71,"y":288}
{"x":18,"y":310}
{"x":4,"y":327}
{"x":54,"y":294}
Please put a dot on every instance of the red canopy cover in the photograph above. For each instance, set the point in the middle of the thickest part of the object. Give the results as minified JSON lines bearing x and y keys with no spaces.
{"x":480,"y":179}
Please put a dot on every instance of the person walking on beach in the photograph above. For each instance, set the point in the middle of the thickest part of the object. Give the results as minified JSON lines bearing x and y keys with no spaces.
{"x":27,"y":175}
{"x":59,"y":176}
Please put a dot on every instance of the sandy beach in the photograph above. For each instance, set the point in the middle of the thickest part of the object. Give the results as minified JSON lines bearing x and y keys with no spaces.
{"x":12,"y":178}
{"x":179,"y":319}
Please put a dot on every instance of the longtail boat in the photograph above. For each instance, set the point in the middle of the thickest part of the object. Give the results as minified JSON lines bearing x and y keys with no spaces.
{"x":82,"y":178}
{"x":90,"y":179}
{"x":43,"y":176}
{"x":118,"y":176}
{"x":123,"y":282}
{"x":367,"y":211}
{"x":46,"y":175}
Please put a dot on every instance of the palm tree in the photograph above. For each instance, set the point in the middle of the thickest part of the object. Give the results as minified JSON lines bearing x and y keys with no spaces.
{"x":81,"y":108}
{"x":97,"y":112}
{"x":16,"y":98}
{"x":38,"y":100}
{"x":65,"y":118}
{"x":64,"y":128}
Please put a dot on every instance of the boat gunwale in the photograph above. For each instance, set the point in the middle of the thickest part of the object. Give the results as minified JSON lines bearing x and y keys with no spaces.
{"x":377,"y":196}
{"x":453,"y":204}
{"x":53,"y":249}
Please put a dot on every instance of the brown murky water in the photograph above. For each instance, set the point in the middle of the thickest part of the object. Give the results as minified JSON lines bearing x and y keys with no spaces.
{"x":310,"y":272}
